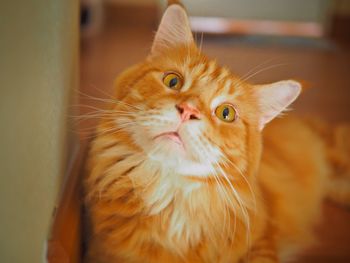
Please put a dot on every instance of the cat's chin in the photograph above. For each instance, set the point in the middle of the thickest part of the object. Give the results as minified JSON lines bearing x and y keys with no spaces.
{"x":170,"y":137}
{"x":169,"y":148}
{"x":171,"y":154}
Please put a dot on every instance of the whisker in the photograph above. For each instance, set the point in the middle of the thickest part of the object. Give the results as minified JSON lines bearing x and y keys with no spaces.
{"x":237,"y":196}
{"x":240,"y":202}
{"x":201,"y":42}
{"x":259,"y":71}
{"x":111,"y":131}
{"x":114,"y":101}
{"x":102,"y":91}
{"x":110,"y":122}
{"x":257,"y":67}
{"x":101,"y":115}
{"x":222,"y":191}
{"x":244,"y":178}
{"x":82,"y":106}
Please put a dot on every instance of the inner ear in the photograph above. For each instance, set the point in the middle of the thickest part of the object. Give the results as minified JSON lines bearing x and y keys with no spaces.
{"x":174,"y":30}
{"x":274,"y":98}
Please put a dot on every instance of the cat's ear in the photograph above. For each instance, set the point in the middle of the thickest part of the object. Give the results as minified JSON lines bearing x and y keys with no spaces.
{"x":174,"y":29}
{"x":274,"y":98}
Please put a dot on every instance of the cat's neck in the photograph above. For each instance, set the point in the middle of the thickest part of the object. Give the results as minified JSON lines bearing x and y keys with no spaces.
{"x":188,"y":209}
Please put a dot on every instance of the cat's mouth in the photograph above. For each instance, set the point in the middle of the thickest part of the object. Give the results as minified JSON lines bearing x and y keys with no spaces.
{"x":173,"y":136}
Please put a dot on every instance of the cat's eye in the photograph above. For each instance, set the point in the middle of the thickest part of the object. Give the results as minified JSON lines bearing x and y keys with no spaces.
{"x":173,"y":80}
{"x":226,"y":112}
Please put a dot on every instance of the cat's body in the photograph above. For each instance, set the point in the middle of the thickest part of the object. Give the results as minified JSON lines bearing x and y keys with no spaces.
{"x":181,"y":170}
{"x":287,"y":175}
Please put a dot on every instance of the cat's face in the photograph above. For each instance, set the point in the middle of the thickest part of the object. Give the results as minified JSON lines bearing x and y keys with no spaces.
{"x":190,"y":115}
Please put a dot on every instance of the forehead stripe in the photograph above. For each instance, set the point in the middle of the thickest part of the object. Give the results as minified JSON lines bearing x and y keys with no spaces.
{"x":225,"y":87}
{"x":211,"y":67}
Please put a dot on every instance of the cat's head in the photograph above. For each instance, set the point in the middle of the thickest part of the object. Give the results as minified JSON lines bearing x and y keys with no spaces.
{"x":191,"y":115}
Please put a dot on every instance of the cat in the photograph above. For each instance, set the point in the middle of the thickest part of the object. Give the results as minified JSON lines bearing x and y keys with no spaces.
{"x":190,"y":163}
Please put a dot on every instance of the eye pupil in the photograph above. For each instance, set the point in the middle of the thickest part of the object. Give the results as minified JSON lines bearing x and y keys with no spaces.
{"x":173,"y":82}
{"x":225,"y":113}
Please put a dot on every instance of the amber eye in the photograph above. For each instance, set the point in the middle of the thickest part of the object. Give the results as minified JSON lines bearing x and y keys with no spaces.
{"x":226,"y":112}
{"x":172,"y":80}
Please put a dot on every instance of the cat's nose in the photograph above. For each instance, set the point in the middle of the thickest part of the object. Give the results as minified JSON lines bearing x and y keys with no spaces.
{"x":187,"y":112}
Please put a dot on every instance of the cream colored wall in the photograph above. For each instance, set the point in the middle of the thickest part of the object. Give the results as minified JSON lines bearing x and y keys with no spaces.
{"x":38,"y":69}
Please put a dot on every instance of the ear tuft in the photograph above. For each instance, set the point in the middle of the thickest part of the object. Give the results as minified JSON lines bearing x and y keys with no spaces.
{"x":175,"y":2}
{"x":274,"y":98}
{"x":174,"y":30}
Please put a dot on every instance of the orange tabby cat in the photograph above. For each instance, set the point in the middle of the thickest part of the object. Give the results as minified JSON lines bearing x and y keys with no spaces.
{"x":185,"y":169}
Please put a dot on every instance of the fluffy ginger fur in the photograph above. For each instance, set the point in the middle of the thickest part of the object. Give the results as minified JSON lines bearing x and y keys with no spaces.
{"x":236,"y":192}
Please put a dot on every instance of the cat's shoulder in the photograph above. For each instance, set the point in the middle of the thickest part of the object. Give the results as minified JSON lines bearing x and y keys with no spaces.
{"x":291,"y":128}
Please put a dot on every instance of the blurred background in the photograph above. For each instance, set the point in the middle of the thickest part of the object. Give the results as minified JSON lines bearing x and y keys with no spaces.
{"x":272,"y":39}
{"x":45,"y":44}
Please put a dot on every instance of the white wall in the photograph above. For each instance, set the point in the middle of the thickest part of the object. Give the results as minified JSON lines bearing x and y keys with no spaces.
{"x":38,"y":69}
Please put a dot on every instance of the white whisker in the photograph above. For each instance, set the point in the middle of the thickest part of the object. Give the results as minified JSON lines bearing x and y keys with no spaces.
{"x":222,"y":191}
{"x":259,"y":71}
{"x":114,"y":101}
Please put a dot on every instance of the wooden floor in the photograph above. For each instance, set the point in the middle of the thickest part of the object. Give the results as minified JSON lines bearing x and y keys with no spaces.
{"x":325,"y":70}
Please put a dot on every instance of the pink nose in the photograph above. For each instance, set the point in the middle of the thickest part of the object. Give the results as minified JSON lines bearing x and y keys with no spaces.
{"x":187,"y":112}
